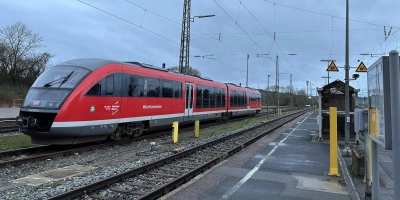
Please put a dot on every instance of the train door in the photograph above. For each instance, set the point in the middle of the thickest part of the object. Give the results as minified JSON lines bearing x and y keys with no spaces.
{"x":248,"y":100}
{"x":189,"y":102}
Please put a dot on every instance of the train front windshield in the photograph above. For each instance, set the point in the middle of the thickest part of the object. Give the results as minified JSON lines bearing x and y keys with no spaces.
{"x":53,"y":86}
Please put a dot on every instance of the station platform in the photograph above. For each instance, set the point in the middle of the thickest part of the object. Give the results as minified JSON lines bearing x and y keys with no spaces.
{"x":286,"y":164}
{"x":6,"y":113}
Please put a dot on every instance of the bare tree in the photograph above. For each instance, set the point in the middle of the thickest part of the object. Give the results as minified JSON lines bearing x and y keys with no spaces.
{"x":19,"y":60}
{"x":190,"y":70}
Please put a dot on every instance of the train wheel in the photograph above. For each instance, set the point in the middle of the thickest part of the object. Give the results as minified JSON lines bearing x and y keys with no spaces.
{"x":140,"y":130}
{"x":116,"y":135}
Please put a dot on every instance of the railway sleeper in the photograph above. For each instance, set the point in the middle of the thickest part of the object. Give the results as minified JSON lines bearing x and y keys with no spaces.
{"x":164,"y":175}
{"x":173,"y":170}
{"x":140,"y":185}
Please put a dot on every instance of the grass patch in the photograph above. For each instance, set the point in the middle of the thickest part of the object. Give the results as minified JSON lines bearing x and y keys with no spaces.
{"x":56,"y":184}
{"x":228,"y":128}
{"x":15,"y":142}
{"x":10,"y":92}
{"x":134,"y":160}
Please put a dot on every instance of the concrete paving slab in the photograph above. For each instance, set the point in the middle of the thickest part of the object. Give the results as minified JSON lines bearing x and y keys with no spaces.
{"x":54,"y":175}
{"x":327,"y":185}
{"x":9,"y":112}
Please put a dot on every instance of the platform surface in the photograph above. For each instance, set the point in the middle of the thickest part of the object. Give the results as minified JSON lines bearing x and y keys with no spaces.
{"x":285,"y":165}
{"x":9,"y":112}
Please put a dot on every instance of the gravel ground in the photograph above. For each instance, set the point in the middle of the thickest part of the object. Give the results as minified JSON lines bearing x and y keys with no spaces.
{"x":108,"y":162}
{"x":10,"y":133}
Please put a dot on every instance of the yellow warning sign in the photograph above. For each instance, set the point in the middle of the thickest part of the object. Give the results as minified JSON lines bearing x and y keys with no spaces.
{"x":332,"y":67}
{"x":361,"y":68}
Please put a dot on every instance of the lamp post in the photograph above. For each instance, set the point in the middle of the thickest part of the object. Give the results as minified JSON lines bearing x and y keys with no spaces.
{"x":346,"y":150}
{"x":292,"y":93}
{"x":268,"y":96}
{"x":185,"y":36}
{"x":278,"y":88}
{"x":326,"y":77}
{"x":268,"y":82}
{"x":247,"y":72}
{"x":265,"y":56}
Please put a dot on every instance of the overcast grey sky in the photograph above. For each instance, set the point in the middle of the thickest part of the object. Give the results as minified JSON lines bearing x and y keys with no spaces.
{"x":149,"y":31}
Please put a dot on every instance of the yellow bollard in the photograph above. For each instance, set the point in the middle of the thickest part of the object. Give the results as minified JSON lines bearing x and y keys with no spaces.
{"x":196,"y":128}
{"x":333,"y":164}
{"x":373,"y":130}
{"x":175,"y":127}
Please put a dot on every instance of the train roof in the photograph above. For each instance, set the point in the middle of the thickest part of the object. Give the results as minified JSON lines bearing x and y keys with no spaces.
{"x":148,"y":66}
{"x":95,"y":63}
{"x":89,"y":63}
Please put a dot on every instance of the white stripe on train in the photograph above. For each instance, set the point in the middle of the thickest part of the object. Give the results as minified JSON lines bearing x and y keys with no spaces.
{"x":123,"y":120}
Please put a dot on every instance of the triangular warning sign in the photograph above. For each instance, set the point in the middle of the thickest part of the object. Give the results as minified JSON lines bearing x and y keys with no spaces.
{"x":361,"y":68}
{"x":332,"y":67}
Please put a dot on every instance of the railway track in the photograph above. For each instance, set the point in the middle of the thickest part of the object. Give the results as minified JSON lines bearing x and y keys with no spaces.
{"x":33,"y":154}
{"x":155,"y":179}
{"x":8,"y":125}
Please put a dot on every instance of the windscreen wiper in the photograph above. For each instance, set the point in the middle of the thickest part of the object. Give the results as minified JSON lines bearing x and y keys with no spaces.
{"x":65,"y":79}
{"x":61,"y":80}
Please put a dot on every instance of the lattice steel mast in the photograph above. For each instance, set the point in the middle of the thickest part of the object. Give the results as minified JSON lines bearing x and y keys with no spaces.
{"x":185,"y":38}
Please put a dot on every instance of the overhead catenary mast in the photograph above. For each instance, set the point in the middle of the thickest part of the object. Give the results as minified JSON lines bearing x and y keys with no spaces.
{"x":185,"y":38}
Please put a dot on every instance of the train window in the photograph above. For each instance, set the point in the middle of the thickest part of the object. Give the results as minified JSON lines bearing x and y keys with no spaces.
{"x":232,"y":96}
{"x":244,"y":101}
{"x":223,"y":97}
{"x":95,"y":90}
{"x":167,"y":90}
{"x":212,"y":97}
{"x":109,"y":85}
{"x":240,"y":98}
{"x":206,"y":97}
{"x":153,"y":87}
{"x":218,"y":98}
{"x":199,"y":96}
{"x":139,"y":90}
{"x":178,"y":89}
{"x":136,"y":86}
{"x":237,"y":99}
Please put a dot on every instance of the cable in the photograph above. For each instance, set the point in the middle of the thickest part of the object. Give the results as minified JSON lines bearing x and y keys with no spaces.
{"x":130,"y":22}
{"x":219,"y":39}
{"x":321,"y":13}
{"x":239,"y":26}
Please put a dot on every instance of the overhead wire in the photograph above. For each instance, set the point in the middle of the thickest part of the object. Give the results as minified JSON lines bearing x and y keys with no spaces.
{"x":219,"y":38}
{"x":239,"y":26}
{"x":127,"y":21}
{"x":274,"y":38}
{"x":324,"y":14}
{"x":139,"y":26}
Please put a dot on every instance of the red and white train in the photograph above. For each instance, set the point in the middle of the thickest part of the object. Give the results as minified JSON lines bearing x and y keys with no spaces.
{"x":86,"y":100}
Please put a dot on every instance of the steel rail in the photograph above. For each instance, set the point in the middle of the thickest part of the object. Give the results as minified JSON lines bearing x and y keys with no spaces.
{"x":178,"y":181}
